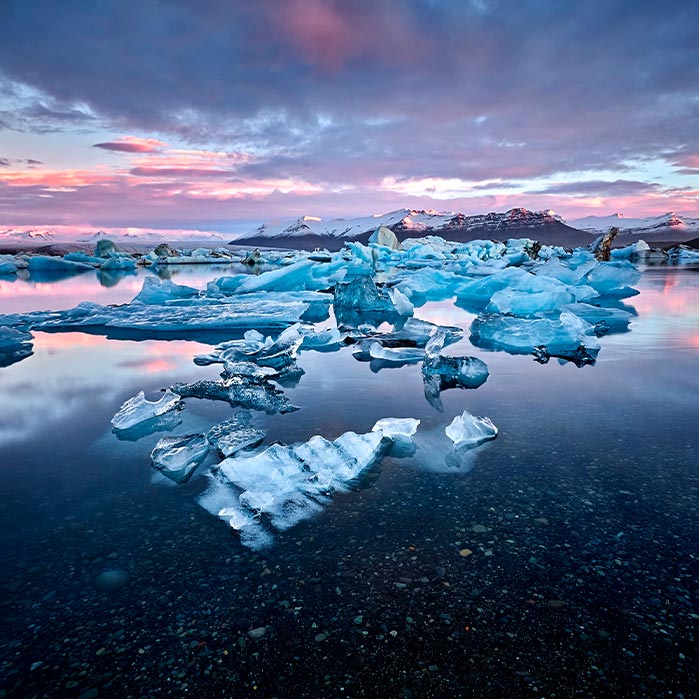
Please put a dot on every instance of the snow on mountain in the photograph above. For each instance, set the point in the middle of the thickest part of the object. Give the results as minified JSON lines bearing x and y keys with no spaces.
{"x":669,"y":226}
{"x":15,"y":236}
{"x":408,"y":222}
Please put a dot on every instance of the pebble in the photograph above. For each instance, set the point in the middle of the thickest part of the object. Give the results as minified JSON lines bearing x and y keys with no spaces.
{"x":258,"y":633}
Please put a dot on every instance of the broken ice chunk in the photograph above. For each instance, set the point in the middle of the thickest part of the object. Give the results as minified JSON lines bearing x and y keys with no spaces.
{"x":401,"y":355}
{"x":177,"y":457}
{"x":159,"y":423}
{"x":568,"y":336}
{"x":138,"y":409}
{"x":235,"y":434}
{"x":604,"y":320}
{"x":397,"y":428}
{"x":614,"y":278}
{"x":160,"y":291}
{"x":465,"y":372}
{"x":467,"y":430}
{"x":361,"y":296}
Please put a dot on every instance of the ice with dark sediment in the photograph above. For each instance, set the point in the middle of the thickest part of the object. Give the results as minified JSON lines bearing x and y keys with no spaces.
{"x":567,"y":336}
{"x":468,"y":431}
{"x":238,"y":392}
{"x":139,"y":409}
{"x":235,"y":434}
{"x":177,"y":457}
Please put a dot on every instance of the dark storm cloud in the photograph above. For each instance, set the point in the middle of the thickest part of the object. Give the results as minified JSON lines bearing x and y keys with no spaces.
{"x":356,"y":90}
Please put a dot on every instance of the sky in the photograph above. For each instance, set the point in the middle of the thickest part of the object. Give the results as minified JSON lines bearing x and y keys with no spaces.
{"x":217,"y":115}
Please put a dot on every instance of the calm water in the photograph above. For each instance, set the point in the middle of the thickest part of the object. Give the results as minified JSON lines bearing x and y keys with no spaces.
{"x":560,"y":562}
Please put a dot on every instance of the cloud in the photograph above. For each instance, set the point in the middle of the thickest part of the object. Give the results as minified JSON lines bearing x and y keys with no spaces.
{"x":4,"y":162}
{"x":602,"y":188}
{"x":132,"y":144}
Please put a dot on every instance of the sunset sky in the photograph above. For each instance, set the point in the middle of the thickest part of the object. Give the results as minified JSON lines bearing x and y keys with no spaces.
{"x":218,"y":114}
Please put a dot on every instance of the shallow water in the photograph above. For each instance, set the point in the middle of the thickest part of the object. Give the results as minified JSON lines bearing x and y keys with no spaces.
{"x":581,"y":520}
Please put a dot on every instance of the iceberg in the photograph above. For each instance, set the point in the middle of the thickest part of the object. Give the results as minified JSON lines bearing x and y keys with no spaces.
{"x":178,"y":457}
{"x":235,"y":434}
{"x":468,"y":431}
{"x":157,"y":291}
{"x":157,"y":423}
{"x":567,"y":336}
{"x":614,"y":278}
{"x":362,"y":295}
{"x":385,"y":237}
{"x":46,"y":263}
{"x":137,"y":409}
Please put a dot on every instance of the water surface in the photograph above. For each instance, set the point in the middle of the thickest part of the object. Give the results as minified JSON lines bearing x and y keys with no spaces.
{"x":581,"y":522}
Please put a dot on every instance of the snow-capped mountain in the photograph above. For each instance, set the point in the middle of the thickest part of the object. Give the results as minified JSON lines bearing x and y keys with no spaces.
{"x":311,"y":231}
{"x":669,"y":227}
{"x":12,"y":235}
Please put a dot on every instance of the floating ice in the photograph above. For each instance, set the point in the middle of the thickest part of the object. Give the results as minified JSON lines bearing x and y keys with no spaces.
{"x":45,"y":263}
{"x":157,"y":291}
{"x":385,"y":237}
{"x":238,"y":391}
{"x":467,"y":430}
{"x":395,"y":354}
{"x":614,"y":278}
{"x":177,"y":457}
{"x":604,"y":320}
{"x":397,"y":428}
{"x":290,"y":483}
{"x":567,"y":336}
{"x":148,"y":319}
{"x":138,"y":409}
{"x":15,"y":345}
{"x":362,"y":294}
{"x":158,"y":423}
{"x":235,"y":434}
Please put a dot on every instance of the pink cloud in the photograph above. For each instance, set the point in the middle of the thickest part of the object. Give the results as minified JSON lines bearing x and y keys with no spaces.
{"x":132,"y":144}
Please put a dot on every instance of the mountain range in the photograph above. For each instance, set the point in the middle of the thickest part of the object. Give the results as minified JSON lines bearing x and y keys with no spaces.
{"x":545,"y":226}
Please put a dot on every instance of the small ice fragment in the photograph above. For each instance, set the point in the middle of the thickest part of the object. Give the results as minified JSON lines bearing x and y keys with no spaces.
{"x":467,"y":430}
{"x":395,"y":354}
{"x":397,"y":428}
{"x":235,"y":434}
{"x":177,"y":457}
{"x":138,"y":409}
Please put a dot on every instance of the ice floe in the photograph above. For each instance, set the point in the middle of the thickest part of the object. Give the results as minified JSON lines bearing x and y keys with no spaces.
{"x":138,"y":409}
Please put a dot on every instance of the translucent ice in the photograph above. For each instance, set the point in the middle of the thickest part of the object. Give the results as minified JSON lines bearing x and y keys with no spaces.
{"x":160,"y":291}
{"x":15,"y":345}
{"x":614,"y":278}
{"x":467,"y":430}
{"x":235,"y":434}
{"x":604,"y":320}
{"x":567,"y":336}
{"x":362,"y":294}
{"x":177,"y":457}
{"x":397,"y":428}
{"x":395,"y":354}
{"x":44,"y":263}
{"x":138,"y":409}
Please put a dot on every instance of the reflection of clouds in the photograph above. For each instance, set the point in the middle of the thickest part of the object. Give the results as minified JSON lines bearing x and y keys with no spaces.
{"x":71,"y":370}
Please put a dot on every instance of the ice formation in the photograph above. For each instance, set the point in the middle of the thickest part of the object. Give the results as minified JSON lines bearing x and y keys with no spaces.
{"x":138,"y":409}
{"x":282,"y":485}
{"x":468,"y":431}
{"x":178,"y":457}
{"x":235,"y":434}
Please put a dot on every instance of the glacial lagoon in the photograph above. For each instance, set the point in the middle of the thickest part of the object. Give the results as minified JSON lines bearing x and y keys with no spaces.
{"x":561,"y":554}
